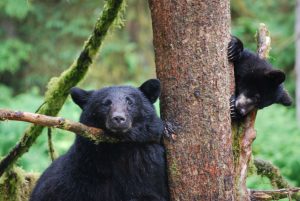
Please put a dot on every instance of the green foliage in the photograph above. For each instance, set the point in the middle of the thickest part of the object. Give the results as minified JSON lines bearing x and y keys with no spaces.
{"x":56,"y":31}
{"x":16,"y":8}
{"x":280,"y":19}
{"x":13,"y":53}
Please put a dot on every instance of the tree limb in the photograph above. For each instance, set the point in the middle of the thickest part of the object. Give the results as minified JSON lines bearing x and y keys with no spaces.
{"x":278,"y":194}
{"x":58,"y":88}
{"x":243,"y":132}
{"x":263,"y":41}
{"x":267,"y":169}
{"x":92,"y":133}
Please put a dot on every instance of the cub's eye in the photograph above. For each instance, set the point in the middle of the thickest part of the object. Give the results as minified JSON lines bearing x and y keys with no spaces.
{"x":107,"y":103}
{"x":129,"y":101}
{"x":257,"y":98}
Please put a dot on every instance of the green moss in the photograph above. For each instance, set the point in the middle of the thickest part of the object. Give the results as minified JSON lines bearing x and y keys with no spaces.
{"x":237,"y":129}
{"x":173,"y":168}
{"x":251,"y":168}
{"x":16,"y":185}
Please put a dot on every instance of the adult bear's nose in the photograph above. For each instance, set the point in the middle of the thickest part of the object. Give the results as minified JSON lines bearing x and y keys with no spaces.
{"x":118,"y":118}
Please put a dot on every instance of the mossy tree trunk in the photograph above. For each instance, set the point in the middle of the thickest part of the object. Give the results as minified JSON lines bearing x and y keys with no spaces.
{"x":190,"y":42}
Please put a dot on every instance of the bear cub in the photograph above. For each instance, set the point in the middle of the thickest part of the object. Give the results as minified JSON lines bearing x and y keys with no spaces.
{"x":134,"y":169}
{"x":257,"y":83}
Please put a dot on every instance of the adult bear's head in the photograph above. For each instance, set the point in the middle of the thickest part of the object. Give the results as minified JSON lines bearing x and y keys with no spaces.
{"x":123,"y":112}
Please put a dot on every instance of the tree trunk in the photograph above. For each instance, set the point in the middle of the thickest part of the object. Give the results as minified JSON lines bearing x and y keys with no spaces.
{"x":298,"y":58}
{"x":190,"y":40}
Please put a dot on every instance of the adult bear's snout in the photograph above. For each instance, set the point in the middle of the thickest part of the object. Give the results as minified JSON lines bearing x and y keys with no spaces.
{"x":118,"y":120}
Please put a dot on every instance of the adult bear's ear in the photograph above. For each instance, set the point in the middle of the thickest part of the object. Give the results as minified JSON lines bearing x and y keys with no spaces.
{"x":151,"y":89}
{"x":80,"y":96}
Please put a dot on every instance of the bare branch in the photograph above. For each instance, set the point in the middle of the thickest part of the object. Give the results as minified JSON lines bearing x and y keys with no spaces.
{"x":263,"y":41}
{"x":278,"y":194}
{"x":94,"y":134}
{"x":52,"y":151}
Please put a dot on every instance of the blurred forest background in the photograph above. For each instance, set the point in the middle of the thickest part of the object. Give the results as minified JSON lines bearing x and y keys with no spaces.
{"x":39,"y":39}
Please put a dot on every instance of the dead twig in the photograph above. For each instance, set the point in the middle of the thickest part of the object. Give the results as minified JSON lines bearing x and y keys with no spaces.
{"x":52,"y":151}
{"x":94,"y":134}
{"x":278,"y":194}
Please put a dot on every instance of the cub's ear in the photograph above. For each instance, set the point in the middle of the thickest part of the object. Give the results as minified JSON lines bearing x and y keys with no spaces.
{"x":276,"y":76}
{"x":285,"y":98}
{"x":151,"y":89}
{"x":80,"y":96}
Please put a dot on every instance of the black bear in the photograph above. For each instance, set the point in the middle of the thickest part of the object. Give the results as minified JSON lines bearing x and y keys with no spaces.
{"x":134,"y":169}
{"x":258,"y":84}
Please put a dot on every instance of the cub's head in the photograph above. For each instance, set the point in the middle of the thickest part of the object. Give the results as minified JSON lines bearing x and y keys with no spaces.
{"x":123,"y":112}
{"x":260,"y":88}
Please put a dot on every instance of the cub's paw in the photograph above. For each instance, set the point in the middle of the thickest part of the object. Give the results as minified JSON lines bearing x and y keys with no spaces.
{"x":233,"y":112}
{"x":235,"y":47}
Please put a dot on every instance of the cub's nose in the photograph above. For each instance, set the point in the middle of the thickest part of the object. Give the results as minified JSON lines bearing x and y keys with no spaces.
{"x":118,"y":119}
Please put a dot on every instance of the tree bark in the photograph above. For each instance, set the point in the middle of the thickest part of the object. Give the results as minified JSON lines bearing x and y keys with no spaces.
{"x":190,"y":42}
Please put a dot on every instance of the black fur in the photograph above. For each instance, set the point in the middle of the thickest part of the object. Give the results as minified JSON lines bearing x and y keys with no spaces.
{"x":256,"y":81}
{"x":132,"y":170}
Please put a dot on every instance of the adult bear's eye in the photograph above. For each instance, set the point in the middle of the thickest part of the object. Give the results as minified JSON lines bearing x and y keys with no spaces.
{"x":107,"y":103}
{"x":129,"y":101}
